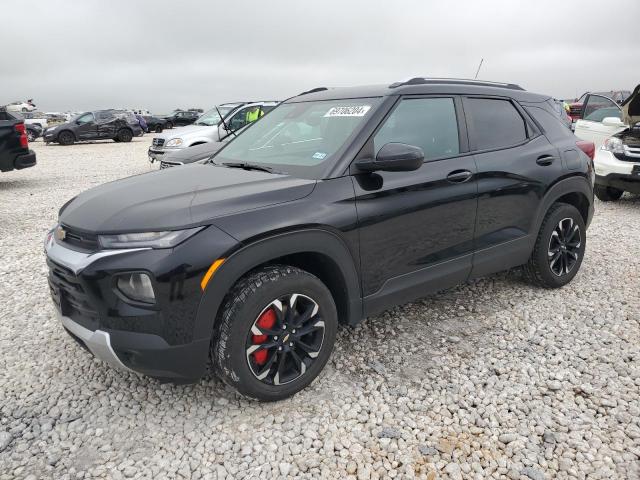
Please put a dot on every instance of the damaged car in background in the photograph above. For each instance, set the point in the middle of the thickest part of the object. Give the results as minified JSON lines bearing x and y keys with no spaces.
{"x":617,"y":161}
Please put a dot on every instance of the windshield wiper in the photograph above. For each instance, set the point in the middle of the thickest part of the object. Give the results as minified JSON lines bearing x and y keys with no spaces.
{"x":248,"y":166}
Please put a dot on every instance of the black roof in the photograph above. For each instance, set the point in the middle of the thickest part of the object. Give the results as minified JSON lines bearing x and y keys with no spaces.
{"x":421,"y":85}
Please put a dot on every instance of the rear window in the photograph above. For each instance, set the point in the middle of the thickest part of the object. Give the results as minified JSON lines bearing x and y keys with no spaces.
{"x":495,"y":123}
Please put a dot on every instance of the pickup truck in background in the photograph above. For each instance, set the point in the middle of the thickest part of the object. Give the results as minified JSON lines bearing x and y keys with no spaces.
{"x":14,"y":145}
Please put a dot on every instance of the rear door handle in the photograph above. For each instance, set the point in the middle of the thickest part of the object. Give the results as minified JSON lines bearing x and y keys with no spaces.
{"x":459,"y":176}
{"x":545,"y":160}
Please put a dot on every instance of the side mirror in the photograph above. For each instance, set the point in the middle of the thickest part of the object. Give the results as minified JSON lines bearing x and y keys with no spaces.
{"x":394,"y":157}
{"x":612,"y":122}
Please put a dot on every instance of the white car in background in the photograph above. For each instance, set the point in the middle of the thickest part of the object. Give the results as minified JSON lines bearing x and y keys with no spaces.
{"x":616,"y":133}
{"x":27,"y":106}
{"x":209,"y":127}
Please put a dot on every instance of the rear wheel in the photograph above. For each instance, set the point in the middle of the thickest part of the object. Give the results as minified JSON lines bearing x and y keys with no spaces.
{"x":276,"y":333}
{"x":124,"y":135}
{"x":66,"y":138}
{"x":607,"y":194}
{"x":559,"y":248}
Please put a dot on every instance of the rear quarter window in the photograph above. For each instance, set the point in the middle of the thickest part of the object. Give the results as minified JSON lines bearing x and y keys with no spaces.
{"x":495,"y":123}
{"x":553,"y":127}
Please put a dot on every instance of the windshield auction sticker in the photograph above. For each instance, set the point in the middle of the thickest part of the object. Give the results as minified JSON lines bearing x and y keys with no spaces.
{"x":348,"y":111}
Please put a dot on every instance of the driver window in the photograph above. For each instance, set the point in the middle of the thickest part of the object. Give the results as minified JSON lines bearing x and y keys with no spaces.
{"x":428,"y":123}
{"x":239,"y":120}
{"x":598,"y":108}
{"x":86,"y":118}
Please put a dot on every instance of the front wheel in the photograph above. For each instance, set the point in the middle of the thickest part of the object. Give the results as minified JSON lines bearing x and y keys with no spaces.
{"x":159,"y":129}
{"x":559,"y":248}
{"x":31,"y":136}
{"x":66,"y":138}
{"x":607,"y":194}
{"x":276,"y":333}
{"x":169,"y":125}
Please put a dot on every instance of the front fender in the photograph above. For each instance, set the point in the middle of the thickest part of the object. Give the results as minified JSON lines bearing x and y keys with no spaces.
{"x":314,"y":240}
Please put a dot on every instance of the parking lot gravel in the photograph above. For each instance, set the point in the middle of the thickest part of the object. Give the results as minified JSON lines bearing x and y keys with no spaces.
{"x":492,"y":379}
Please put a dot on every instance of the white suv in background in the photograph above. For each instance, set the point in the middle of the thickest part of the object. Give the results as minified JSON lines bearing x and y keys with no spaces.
{"x":209,"y":127}
{"x":615,"y":131}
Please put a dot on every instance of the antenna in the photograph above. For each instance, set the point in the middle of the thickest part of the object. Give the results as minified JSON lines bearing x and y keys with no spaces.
{"x":479,"y":67}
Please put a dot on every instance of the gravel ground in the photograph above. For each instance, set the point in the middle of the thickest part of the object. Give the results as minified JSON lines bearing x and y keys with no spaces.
{"x":493,"y":379}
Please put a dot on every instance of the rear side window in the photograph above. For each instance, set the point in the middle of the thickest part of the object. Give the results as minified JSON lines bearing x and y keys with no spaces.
{"x":428,"y":123}
{"x":551,"y":123}
{"x":495,"y":123}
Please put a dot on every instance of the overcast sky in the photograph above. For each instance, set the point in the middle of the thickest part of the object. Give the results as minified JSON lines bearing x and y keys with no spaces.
{"x":161,"y":55}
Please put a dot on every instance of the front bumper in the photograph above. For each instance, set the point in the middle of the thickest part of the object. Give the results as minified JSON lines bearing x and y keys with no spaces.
{"x":97,"y":342}
{"x":162,"y":340}
{"x":157,"y":154}
{"x":620,"y":174}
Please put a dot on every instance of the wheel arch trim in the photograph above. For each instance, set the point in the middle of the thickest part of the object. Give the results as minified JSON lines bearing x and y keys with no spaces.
{"x":576,"y":184}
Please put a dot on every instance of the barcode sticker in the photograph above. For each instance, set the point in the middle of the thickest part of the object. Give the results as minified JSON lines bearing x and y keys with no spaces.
{"x":348,"y":111}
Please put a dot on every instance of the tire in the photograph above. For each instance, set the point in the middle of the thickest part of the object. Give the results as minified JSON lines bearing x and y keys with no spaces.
{"x":124,"y":135}
{"x":607,"y":194}
{"x":169,"y":125}
{"x":158,"y":129}
{"x":66,"y":138}
{"x":551,"y":265}
{"x":235,"y":347}
{"x":25,"y":109}
{"x":31,"y":135}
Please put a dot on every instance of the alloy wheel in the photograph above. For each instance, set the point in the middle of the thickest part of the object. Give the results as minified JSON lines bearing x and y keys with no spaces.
{"x":285,"y":339}
{"x":564,"y":247}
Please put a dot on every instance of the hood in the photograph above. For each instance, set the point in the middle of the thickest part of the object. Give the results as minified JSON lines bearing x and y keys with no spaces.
{"x":195,"y":153}
{"x":178,"y":198}
{"x":631,"y":108}
{"x":188,"y":130}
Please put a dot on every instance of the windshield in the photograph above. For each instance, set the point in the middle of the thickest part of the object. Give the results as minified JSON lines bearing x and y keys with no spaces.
{"x":299,"y":138}
{"x":211,"y":117}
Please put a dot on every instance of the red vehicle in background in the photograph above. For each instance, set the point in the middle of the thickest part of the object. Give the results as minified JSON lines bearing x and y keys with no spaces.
{"x":575,"y":108}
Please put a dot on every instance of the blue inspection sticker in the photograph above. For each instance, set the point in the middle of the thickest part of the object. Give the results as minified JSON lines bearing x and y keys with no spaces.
{"x":319,"y":155}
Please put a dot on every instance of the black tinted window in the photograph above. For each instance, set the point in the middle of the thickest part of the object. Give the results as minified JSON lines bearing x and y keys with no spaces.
{"x":495,"y":123}
{"x":428,"y":123}
{"x":551,"y":123}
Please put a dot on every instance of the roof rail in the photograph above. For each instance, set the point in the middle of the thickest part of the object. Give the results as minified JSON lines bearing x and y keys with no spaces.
{"x":455,"y":81}
{"x":313,"y":90}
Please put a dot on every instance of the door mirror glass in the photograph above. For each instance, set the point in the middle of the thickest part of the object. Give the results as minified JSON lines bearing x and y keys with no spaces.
{"x":612,"y":122}
{"x":394,"y":157}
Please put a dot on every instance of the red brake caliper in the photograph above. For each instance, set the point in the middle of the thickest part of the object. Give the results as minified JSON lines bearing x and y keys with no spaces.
{"x":267,"y":320}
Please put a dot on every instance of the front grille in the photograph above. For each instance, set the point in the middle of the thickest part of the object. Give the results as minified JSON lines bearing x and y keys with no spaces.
{"x":70,"y":296}
{"x":164,"y":164}
{"x":158,"y":142}
{"x":85,"y":241}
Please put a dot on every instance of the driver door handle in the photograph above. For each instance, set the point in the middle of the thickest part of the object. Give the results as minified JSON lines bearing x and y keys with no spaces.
{"x":459,"y":176}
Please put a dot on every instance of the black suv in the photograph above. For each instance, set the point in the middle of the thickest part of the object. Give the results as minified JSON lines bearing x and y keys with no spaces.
{"x":338,"y":204}
{"x":117,"y":125}
{"x":180,"y":118}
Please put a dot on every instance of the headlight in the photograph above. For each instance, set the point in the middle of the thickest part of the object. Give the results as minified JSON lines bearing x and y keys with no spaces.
{"x":147,"y":239}
{"x":613,"y":145}
{"x":174,"y":142}
{"x":136,"y":286}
